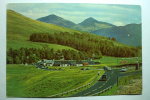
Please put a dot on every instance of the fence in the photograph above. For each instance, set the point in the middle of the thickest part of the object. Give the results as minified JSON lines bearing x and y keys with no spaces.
{"x":73,"y":90}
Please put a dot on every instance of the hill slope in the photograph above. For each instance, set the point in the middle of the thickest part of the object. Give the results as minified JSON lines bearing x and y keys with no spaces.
{"x":129,"y":34}
{"x":19,"y":28}
{"x":24,"y":32}
{"x":53,"y":19}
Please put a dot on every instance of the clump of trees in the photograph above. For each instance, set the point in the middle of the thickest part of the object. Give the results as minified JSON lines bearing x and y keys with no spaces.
{"x":32,"y":55}
{"x":88,"y":43}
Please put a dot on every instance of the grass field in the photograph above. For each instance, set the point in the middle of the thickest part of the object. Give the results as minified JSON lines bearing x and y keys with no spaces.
{"x":28,"y":81}
{"x":14,"y":44}
{"x":113,"y":61}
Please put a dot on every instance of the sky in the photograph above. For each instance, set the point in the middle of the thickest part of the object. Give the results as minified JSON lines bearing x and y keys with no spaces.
{"x":77,"y":12}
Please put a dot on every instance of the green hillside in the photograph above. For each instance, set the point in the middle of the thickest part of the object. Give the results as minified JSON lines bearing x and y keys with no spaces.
{"x":19,"y":28}
{"x":27,"y":33}
{"x":28,"y":44}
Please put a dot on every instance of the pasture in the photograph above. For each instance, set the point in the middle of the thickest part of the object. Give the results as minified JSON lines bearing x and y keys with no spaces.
{"x":28,"y":81}
{"x":114,"y":61}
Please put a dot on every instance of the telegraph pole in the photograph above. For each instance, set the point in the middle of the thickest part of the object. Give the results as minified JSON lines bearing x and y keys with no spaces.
{"x":137,"y":65}
{"x":117,"y":80}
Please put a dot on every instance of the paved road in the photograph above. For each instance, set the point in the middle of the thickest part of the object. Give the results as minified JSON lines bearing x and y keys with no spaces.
{"x":112,"y":77}
{"x":101,"y":85}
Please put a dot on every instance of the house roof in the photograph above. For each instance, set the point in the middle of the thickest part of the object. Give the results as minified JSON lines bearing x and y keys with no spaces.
{"x":48,"y":61}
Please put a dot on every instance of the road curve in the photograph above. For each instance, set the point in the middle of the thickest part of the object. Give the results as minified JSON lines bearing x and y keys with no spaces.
{"x":101,"y":85}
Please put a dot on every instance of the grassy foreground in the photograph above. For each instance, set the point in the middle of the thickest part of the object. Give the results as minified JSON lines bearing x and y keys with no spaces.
{"x":28,"y":81}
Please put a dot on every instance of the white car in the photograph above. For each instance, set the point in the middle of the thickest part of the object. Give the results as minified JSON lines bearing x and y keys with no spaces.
{"x":123,"y":69}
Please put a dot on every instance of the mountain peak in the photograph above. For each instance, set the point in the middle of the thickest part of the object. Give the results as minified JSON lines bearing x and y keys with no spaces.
{"x":53,"y":16}
{"x":54,"y":19}
{"x":90,"y":19}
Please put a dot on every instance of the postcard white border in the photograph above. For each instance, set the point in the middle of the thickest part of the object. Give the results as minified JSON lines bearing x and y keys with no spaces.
{"x":145,"y":43}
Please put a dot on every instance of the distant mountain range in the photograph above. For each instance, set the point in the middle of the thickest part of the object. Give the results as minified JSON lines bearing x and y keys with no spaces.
{"x":129,"y":34}
{"x":88,"y":25}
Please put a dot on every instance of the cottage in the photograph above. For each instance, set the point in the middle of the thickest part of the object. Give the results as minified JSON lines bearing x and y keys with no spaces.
{"x":65,"y":63}
{"x":79,"y":63}
{"x":45,"y":62}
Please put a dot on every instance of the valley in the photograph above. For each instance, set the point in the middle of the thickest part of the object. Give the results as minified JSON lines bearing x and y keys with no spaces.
{"x":54,"y":57}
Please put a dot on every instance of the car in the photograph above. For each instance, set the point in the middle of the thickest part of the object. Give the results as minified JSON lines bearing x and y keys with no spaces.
{"x":123,"y":69}
{"x":103,"y":78}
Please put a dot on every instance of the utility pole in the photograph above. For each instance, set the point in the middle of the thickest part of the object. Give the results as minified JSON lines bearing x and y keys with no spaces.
{"x":137,"y":65}
{"x":117,"y":80}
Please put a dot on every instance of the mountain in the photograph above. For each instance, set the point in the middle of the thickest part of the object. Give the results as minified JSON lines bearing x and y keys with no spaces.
{"x":91,"y":21}
{"x":129,"y":34}
{"x":90,"y":24}
{"x":53,"y":19}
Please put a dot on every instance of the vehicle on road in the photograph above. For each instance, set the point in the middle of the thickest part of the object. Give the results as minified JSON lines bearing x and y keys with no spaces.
{"x":123,"y":69}
{"x":103,"y":78}
{"x":106,"y":68}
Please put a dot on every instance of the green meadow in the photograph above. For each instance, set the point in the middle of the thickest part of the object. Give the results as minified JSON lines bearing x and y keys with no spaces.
{"x":114,"y":61}
{"x":28,"y":81}
{"x":14,"y":44}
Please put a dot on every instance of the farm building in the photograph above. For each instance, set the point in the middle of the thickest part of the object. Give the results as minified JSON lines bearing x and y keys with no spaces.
{"x":65,"y":63}
{"x":47,"y":62}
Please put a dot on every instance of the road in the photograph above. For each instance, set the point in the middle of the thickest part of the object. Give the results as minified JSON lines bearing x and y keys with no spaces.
{"x":101,"y":85}
{"x":112,"y":77}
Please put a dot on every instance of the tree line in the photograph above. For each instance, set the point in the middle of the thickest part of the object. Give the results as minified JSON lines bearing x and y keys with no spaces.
{"x":32,"y":55}
{"x":88,"y":43}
